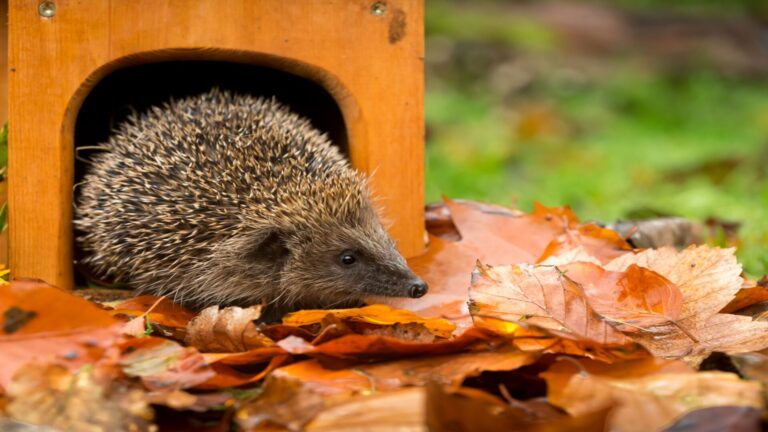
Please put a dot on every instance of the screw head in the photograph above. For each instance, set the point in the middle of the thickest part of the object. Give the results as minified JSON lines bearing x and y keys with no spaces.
{"x":378,"y":8}
{"x":47,"y":9}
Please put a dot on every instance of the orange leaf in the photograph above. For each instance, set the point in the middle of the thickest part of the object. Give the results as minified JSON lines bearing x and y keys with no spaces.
{"x":468,"y":409}
{"x":165,"y":312}
{"x":496,"y":236}
{"x":283,"y":403}
{"x":163,"y":365}
{"x":448,"y":369}
{"x":227,"y":376}
{"x":30,"y":306}
{"x":632,"y":299}
{"x":42,"y":323}
{"x":295,"y":394}
{"x":748,"y":296}
{"x":488,"y":233}
{"x":374,"y":314}
{"x":70,"y":348}
{"x":708,"y":279}
{"x":598,"y":242}
{"x":358,"y":348}
{"x":541,"y":296}
{"x":401,"y":410}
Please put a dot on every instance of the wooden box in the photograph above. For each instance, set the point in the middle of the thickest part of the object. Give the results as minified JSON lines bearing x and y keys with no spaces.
{"x":368,"y":55}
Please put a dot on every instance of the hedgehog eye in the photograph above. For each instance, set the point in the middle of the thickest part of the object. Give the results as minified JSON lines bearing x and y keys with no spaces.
{"x":348,"y":258}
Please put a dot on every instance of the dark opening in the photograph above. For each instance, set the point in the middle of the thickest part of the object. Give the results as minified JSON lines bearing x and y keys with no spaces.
{"x":137,"y":88}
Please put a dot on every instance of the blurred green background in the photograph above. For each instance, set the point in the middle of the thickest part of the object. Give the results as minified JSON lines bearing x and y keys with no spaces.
{"x":622,"y":109}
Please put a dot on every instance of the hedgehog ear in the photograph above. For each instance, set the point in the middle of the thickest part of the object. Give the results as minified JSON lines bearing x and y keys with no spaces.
{"x":270,"y":248}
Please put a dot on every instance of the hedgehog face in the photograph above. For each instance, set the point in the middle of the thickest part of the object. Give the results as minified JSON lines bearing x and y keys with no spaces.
{"x":344,"y":264}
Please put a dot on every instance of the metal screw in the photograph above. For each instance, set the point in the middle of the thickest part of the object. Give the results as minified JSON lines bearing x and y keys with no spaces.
{"x":47,"y":9}
{"x":378,"y":8}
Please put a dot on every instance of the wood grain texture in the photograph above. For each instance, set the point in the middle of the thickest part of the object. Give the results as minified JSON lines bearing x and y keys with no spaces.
{"x":3,"y":112}
{"x":372,"y":65}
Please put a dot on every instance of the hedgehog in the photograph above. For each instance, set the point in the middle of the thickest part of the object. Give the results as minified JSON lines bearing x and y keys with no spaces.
{"x":232,"y":199}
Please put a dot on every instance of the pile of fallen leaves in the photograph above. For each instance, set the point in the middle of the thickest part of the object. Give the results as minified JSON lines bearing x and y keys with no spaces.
{"x":533,"y":322}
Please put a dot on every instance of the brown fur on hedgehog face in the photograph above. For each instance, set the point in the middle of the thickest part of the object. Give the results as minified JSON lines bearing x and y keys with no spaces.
{"x":331,"y":266}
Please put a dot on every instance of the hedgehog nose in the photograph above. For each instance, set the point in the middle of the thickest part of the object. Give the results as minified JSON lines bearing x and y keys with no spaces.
{"x":418,"y":289}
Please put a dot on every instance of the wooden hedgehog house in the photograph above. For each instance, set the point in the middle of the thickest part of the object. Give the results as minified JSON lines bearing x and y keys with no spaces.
{"x":354,"y":67}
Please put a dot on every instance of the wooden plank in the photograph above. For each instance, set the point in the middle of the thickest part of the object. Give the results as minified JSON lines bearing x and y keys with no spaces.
{"x":372,"y":65}
{"x":48,"y":58}
{"x":3,"y":112}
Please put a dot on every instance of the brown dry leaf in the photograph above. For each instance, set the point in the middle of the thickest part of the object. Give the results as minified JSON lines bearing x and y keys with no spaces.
{"x":576,"y":254}
{"x":291,"y":401}
{"x":634,"y":299}
{"x":413,"y":332}
{"x":749,"y":295}
{"x":727,"y":333}
{"x":402,"y":410}
{"x":538,"y":295}
{"x":231,"y":329}
{"x":444,"y":267}
{"x":295,"y":394}
{"x":708,"y":279}
{"x":51,"y":395}
{"x":163,"y":311}
{"x":283,"y":403}
{"x":359,"y":348}
{"x":381,"y":315}
{"x":228,"y":377}
{"x":646,"y":395}
{"x":438,"y":222}
{"x":600,"y":243}
{"x":259,"y":361}
{"x":163,"y":365}
{"x":530,"y":338}
{"x":468,"y":409}
{"x":250,"y":357}
{"x":449,"y":370}
{"x":42,"y":323}
{"x":70,"y":348}
{"x":340,"y":386}
{"x":493,"y":235}
{"x":329,"y":382}
{"x":30,"y":306}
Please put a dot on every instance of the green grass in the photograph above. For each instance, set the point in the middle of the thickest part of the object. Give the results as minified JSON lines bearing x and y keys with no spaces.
{"x":628,"y":143}
{"x":478,"y":21}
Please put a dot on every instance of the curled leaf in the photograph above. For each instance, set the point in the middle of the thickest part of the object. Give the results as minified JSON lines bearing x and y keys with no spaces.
{"x":231,"y":329}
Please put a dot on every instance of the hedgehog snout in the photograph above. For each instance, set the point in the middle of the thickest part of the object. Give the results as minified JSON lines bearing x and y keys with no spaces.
{"x":409,"y":286}
{"x":418,"y":288}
